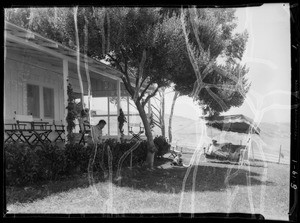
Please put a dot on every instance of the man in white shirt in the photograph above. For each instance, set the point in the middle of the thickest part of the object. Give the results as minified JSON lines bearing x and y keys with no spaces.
{"x":216,"y":149}
{"x":96,"y":132}
{"x":213,"y":147}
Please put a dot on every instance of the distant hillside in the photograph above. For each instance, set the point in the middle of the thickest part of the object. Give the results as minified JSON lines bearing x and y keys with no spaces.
{"x":189,"y":132}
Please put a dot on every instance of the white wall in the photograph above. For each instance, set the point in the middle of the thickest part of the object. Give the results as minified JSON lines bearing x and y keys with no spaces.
{"x":22,"y":69}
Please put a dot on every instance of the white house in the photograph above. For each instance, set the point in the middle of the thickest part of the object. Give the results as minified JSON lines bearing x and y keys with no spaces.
{"x":38,"y":70}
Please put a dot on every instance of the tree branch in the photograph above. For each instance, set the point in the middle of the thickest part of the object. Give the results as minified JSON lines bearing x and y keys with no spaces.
{"x":117,"y":62}
{"x":143,"y":80}
{"x":128,"y":86}
{"x":139,"y":76}
{"x":150,"y":96}
{"x":141,"y":68}
{"x":144,"y":91}
{"x":125,"y":77}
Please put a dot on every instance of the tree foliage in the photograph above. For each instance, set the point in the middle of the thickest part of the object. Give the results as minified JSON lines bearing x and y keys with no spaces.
{"x":209,"y":38}
{"x":48,"y":22}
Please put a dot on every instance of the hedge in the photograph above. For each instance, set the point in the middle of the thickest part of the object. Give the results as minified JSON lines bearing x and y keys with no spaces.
{"x":25,"y":164}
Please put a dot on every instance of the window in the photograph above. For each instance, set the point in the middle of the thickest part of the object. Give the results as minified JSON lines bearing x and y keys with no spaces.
{"x":33,"y":100}
{"x":48,"y":94}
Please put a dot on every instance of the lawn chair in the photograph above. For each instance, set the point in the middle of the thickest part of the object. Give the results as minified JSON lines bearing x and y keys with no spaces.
{"x":11,"y":130}
{"x":24,"y":128}
{"x":84,"y":132}
{"x":43,"y":129}
{"x":136,"y":136}
{"x":174,"y":150}
{"x":59,"y":128}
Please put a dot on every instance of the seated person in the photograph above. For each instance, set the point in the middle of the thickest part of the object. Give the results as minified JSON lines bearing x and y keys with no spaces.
{"x":177,"y":160}
{"x":212,"y":147}
{"x":216,"y":149}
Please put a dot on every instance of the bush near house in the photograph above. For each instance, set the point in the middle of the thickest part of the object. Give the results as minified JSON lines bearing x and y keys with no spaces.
{"x":26,"y":165}
{"x":162,"y":146}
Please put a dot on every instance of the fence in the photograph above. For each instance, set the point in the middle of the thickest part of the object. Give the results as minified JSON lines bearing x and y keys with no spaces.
{"x":268,"y":157}
{"x":253,"y":155}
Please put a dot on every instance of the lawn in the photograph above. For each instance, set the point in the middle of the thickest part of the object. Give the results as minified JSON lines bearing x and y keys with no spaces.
{"x":203,"y":187}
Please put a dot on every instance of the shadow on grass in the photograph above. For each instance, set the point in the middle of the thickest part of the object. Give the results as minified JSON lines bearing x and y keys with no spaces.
{"x":164,"y":179}
{"x":210,"y":177}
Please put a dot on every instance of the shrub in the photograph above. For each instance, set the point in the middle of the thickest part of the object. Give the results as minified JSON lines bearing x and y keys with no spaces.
{"x":25,"y":164}
{"x":118,"y":149}
{"x":77,"y":158}
{"x":21,"y":164}
{"x":162,"y":146}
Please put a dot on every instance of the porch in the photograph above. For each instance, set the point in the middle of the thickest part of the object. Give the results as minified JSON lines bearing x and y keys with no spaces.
{"x":37,"y":72}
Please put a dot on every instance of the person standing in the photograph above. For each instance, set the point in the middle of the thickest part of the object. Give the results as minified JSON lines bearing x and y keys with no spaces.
{"x":121,"y":120}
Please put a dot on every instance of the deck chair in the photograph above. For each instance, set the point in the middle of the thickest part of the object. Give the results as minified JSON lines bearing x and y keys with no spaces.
{"x":11,"y":131}
{"x":43,"y":130}
{"x":136,"y":135}
{"x":84,"y":132}
{"x":59,"y":128}
{"x":174,"y":150}
{"x":24,"y":127}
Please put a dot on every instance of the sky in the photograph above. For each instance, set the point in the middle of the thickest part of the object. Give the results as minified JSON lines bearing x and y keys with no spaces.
{"x":267,"y":56}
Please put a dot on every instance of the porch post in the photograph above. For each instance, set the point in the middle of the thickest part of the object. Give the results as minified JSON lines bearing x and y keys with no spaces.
{"x":65,"y":81}
{"x":128,"y":114}
{"x":108,"y":116}
{"x":149,"y":110}
{"x":118,"y":104}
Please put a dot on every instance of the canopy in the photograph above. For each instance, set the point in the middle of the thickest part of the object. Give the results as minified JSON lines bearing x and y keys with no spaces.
{"x":233,"y":123}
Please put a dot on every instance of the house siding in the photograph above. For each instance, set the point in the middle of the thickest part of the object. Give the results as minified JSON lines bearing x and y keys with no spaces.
{"x":20,"y":70}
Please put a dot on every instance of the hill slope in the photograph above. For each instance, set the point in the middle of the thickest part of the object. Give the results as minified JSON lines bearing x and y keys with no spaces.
{"x":188,"y":132}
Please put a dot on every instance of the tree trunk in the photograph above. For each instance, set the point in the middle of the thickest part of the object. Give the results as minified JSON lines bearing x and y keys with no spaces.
{"x":162,"y":111}
{"x":171,"y":115}
{"x":150,"y":143}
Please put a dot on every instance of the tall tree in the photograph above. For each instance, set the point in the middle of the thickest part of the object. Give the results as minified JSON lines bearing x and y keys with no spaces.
{"x":137,"y":49}
{"x":208,"y":37}
{"x":200,"y":38}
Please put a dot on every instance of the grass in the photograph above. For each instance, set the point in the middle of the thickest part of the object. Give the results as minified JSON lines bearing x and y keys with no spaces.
{"x":167,"y":189}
